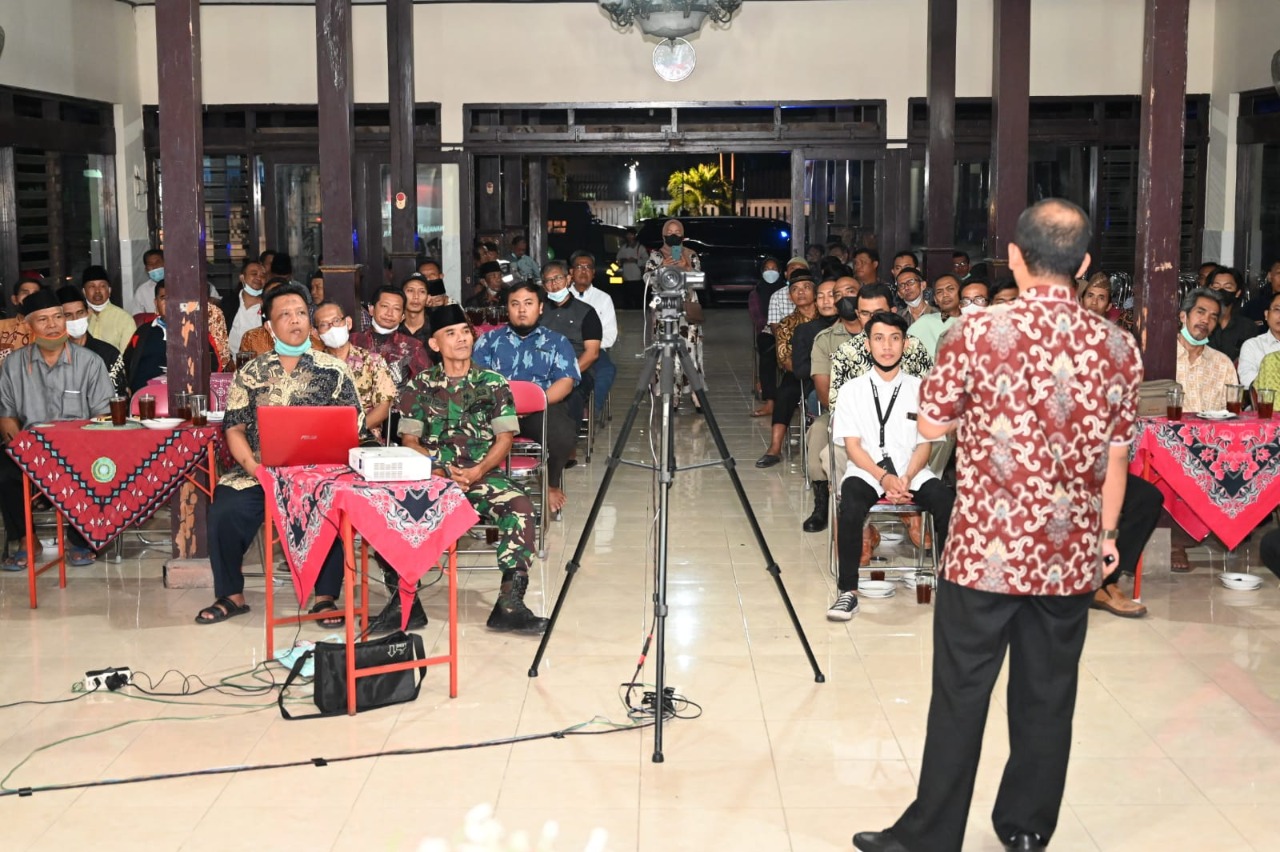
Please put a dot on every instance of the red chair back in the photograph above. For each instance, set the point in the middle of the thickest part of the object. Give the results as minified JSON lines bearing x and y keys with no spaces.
{"x":529,"y":398}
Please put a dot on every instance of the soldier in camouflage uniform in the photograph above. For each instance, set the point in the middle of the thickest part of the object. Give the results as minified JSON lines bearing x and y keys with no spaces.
{"x":465,"y":419}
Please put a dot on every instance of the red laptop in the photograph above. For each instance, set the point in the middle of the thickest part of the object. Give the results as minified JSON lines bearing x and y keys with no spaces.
{"x":292,"y":435}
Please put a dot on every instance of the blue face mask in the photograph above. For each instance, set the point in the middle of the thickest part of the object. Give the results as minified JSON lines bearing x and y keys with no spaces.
{"x":558,"y":296}
{"x":157,"y":274}
{"x":285,"y":350}
{"x":1191,"y":341}
{"x":249,"y":291}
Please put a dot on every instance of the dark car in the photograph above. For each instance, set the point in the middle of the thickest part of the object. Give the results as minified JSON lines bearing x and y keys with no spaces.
{"x":731,"y":249}
{"x":571,"y":227}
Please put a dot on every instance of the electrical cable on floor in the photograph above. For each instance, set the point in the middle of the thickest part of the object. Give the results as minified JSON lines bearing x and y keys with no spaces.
{"x":609,"y":726}
{"x":76,"y":687}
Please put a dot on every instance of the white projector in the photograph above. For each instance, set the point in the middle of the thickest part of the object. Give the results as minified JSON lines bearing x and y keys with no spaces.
{"x":389,"y":464}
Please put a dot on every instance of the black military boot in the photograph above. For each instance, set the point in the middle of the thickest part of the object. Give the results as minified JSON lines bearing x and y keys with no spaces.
{"x":388,"y":619}
{"x":817,"y":522}
{"x":509,"y":613}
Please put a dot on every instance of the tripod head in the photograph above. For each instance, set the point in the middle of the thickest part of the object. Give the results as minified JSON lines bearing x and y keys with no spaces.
{"x":670,"y":288}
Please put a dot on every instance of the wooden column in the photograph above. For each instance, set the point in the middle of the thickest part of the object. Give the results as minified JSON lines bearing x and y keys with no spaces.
{"x":893,"y":200}
{"x":8,"y":225}
{"x":940,"y":152}
{"x":404,"y":172}
{"x":538,"y":212}
{"x":1010,"y":106}
{"x":337,"y":153}
{"x":797,"y":203}
{"x":186,"y":289}
{"x":1160,"y":142}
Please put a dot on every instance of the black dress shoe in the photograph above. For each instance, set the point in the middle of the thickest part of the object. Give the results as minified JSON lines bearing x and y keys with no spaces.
{"x":768,"y":460}
{"x":877,"y":841}
{"x":1025,"y":842}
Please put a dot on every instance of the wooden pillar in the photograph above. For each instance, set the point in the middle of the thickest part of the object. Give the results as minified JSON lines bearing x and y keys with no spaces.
{"x":1160,"y":141}
{"x":538,"y":212}
{"x":186,"y":289}
{"x":9,"y":270}
{"x":512,"y":192}
{"x":337,"y":153}
{"x":404,"y":172}
{"x":894,"y":203}
{"x":797,"y":203}
{"x":1010,"y":105}
{"x":940,"y":151}
{"x":819,"y":204}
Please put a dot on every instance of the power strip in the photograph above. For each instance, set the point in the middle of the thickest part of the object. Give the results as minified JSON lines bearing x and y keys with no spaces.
{"x":108,"y":680}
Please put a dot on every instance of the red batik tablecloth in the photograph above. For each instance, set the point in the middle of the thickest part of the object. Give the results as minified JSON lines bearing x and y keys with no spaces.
{"x":105,"y":480}
{"x":1216,"y":476}
{"x":409,"y":523}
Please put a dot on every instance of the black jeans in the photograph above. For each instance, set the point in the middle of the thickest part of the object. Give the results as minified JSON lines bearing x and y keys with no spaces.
{"x":856,"y":500}
{"x":972,"y":631}
{"x":235,"y":516}
{"x":562,"y":435}
{"x":1139,"y":514}
{"x":15,"y":517}
{"x":786,"y":398}
{"x":767,"y":354}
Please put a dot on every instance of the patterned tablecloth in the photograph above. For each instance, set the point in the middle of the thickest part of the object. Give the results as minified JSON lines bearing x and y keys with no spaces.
{"x":105,"y":479}
{"x":409,"y":523}
{"x":1216,"y":476}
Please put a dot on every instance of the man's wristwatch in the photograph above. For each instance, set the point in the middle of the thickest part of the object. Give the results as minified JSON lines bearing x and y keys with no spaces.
{"x":1110,"y":535}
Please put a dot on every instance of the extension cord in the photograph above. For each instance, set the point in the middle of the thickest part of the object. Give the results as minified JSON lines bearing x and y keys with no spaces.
{"x":109,"y":679}
{"x":668,"y":702}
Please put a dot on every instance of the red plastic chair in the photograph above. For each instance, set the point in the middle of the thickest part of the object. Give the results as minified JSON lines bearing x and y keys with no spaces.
{"x":528,"y":457}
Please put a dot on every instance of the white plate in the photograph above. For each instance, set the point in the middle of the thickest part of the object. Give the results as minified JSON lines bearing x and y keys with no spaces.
{"x":909,"y":579}
{"x":1217,"y":415}
{"x":216,"y":416}
{"x":1240,"y":582}
{"x":163,"y":423}
{"x":876,"y":588}
{"x":891,"y":537}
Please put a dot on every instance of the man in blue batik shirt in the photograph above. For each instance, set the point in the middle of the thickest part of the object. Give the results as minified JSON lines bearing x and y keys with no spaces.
{"x":524,"y":351}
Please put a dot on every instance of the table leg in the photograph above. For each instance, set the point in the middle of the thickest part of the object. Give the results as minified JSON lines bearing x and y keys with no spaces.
{"x":348,"y":588}
{"x":453,"y":620}
{"x":31,"y":535}
{"x":1137,"y":570}
{"x":62,"y":549}
{"x":268,"y":559}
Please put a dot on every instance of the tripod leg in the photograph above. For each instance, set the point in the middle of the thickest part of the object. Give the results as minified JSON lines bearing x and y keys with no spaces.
{"x":699,"y":387}
{"x":666,"y":478}
{"x":611,"y":465}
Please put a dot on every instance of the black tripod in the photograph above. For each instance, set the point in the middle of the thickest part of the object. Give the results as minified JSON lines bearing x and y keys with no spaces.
{"x":664,"y":352}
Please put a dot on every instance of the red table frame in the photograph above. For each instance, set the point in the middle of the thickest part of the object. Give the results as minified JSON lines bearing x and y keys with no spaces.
{"x":209,"y":467}
{"x":347,"y":533}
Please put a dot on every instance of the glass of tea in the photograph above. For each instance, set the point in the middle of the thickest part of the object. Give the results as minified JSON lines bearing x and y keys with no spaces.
{"x":182,"y":406}
{"x":1266,"y":403}
{"x":1235,"y":398}
{"x":243,"y":358}
{"x":924,"y":588}
{"x":119,"y":410}
{"x":199,"y":409}
{"x":147,"y":406}
{"x":1173,"y":405}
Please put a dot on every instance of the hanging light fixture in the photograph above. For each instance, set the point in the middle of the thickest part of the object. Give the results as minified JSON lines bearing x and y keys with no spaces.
{"x":669,"y":19}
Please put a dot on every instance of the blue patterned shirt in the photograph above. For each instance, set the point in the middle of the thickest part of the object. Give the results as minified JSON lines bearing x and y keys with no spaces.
{"x":543,"y":356}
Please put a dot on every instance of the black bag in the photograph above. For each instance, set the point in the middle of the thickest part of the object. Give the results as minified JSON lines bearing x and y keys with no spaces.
{"x":330,"y":680}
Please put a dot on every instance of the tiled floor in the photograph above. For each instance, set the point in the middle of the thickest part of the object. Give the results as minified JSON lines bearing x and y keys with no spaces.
{"x":1177,"y":741}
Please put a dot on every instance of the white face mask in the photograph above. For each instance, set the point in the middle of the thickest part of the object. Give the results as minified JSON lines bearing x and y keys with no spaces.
{"x":78,"y":327}
{"x":377,"y":328}
{"x":915,"y":303}
{"x":97,"y":309}
{"x":969,"y":310}
{"x":336,"y":337}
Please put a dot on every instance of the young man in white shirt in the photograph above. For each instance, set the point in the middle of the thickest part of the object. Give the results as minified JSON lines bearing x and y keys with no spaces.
{"x":875,"y":419}
{"x":1257,"y":348}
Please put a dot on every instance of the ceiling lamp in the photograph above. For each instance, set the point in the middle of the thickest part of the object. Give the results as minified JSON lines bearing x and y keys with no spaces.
{"x":669,"y":19}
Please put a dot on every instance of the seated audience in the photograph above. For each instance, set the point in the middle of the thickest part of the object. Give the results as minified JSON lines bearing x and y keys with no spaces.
{"x":258,"y":341}
{"x":866,"y":266}
{"x":523,"y":350}
{"x":1255,"y":349}
{"x":253,"y":281}
{"x":107,"y":322}
{"x":374,"y":385}
{"x":463,"y":417}
{"x":488,"y":288}
{"x":960,"y":266}
{"x":521,"y":263}
{"x":292,"y":373}
{"x":1004,"y":291}
{"x":1256,"y":308}
{"x":405,"y":355}
{"x":790,"y":389}
{"x":875,"y":420}
{"x":1232,"y":330}
{"x":929,"y":328}
{"x":566,"y":312}
{"x":770,"y":282}
{"x":910,"y":283}
{"x":974,"y":298}
{"x":415,"y":322}
{"x":902,"y":260}
{"x":15,"y":331}
{"x":76,"y":313}
{"x":582,"y":273}
{"x":316,"y":286}
{"x":146,"y":356}
{"x":49,"y":379}
{"x":853,"y":358}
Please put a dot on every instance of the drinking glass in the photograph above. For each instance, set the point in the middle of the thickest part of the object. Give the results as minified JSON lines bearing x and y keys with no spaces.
{"x":1174,"y":404}
{"x":199,"y":410}
{"x":1266,"y":403}
{"x":1235,"y":395}
{"x":147,"y":406}
{"x":119,"y":410}
{"x":182,"y":406}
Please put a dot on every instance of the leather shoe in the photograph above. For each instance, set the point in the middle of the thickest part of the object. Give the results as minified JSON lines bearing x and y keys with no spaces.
{"x":768,"y":460}
{"x":1116,"y":602}
{"x":1025,"y":842}
{"x":877,"y":841}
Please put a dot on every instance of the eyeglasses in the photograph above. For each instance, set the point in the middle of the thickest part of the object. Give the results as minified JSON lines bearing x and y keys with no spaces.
{"x":551,"y":279}
{"x":912,"y":281}
{"x":980,"y":301}
{"x":577,"y":266}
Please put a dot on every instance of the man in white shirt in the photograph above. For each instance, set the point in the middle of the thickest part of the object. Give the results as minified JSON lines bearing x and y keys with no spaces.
{"x":106,"y":321}
{"x":1257,"y":348}
{"x":253,"y":280}
{"x":780,"y":304}
{"x":582,"y":273}
{"x":875,"y":419}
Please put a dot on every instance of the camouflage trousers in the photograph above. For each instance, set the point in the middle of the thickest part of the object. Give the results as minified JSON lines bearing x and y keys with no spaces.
{"x":506,"y":505}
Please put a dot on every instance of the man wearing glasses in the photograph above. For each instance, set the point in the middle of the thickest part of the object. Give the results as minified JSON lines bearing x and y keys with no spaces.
{"x":946,"y":295}
{"x":582,"y":272}
{"x":973,"y":298}
{"x":911,"y":292}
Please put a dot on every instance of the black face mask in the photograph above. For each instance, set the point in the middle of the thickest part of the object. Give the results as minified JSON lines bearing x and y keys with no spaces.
{"x":673,"y":240}
{"x":1228,"y":297}
{"x":847,"y":308}
{"x":885,"y":368}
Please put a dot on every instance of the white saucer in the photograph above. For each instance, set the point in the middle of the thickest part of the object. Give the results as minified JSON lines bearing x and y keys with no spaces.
{"x":163,"y":424}
{"x":876,"y":588}
{"x":1240,"y":582}
{"x":1217,"y":415}
{"x":216,"y":416}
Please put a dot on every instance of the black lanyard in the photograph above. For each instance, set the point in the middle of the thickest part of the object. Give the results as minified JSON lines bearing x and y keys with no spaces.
{"x":884,"y":417}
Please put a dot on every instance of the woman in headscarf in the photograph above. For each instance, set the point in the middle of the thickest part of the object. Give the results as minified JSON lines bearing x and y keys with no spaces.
{"x":674,"y":254}
{"x":771,"y":281}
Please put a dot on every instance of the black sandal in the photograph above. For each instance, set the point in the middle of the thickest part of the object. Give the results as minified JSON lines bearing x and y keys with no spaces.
{"x":220,"y":610}
{"x":327,"y":606}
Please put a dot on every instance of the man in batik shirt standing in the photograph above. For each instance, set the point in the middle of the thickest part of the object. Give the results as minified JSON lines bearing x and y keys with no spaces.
{"x":463,"y":417}
{"x":1043,"y":396}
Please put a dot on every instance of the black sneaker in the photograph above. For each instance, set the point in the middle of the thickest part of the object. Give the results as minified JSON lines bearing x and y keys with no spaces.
{"x":845,"y":607}
{"x":515,"y":618}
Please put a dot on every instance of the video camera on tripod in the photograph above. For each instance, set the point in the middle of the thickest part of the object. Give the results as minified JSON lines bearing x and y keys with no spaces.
{"x":670,"y":287}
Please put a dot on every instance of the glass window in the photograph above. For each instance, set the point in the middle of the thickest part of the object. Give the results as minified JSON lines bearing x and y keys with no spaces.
{"x":298,"y":217}
{"x":430,"y":219}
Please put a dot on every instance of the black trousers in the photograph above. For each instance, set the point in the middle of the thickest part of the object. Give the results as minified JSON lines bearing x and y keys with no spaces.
{"x":972,"y":630}
{"x":562,"y":435}
{"x":856,"y":500}
{"x":786,"y":398}
{"x":767,"y":354}
{"x":15,"y":517}
{"x":1269,"y":550}
{"x":1139,"y":514}
{"x":235,"y":516}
